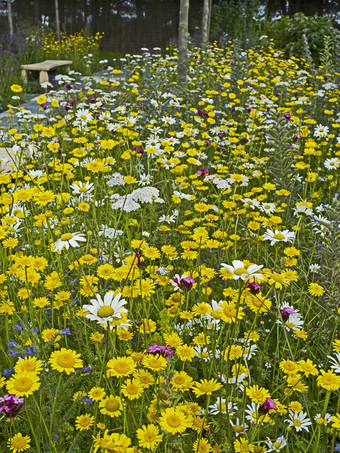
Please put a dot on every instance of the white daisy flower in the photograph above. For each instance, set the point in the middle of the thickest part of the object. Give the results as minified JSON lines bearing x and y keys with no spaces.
{"x":238,"y":426}
{"x":277,"y":445}
{"x":268,"y":208}
{"x":321,"y":131}
{"x":81,"y":188}
{"x":335,"y":362}
{"x":298,"y":420}
{"x":105,"y":311}
{"x":278,"y":236}
{"x":221,"y":406}
{"x":314,"y":268}
{"x":239,"y":271}
{"x":332,"y":164}
{"x":68,"y":240}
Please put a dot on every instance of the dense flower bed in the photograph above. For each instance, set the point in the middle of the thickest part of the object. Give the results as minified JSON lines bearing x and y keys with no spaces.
{"x":169,"y":265}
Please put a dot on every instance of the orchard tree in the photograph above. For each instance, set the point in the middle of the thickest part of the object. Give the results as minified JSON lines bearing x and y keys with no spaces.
{"x":10,"y":19}
{"x":183,"y":43}
{"x":206,"y":16}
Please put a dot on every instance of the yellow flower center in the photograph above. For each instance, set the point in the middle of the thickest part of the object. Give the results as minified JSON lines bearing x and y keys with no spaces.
{"x":66,"y":236}
{"x":132,"y":389}
{"x":257,"y":395}
{"x":66,"y":361}
{"x":105,"y":311}
{"x":229,"y":311}
{"x":173,"y":421}
{"x":207,"y":387}
{"x":241,"y":271}
{"x":18,"y":443}
{"x":149,"y":437}
{"x":238,"y":428}
{"x":179,"y":380}
{"x":112,"y":405}
{"x":297,"y":422}
{"x":276,"y":445}
{"x":222,"y":407}
{"x":154,"y":363}
{"x":122,"y":367}
{"x":279,"y":236}
{"x":23,"y":384}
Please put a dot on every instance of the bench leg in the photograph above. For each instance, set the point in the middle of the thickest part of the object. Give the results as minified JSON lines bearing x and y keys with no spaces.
{"x":24,"y":75}
{"x":43,"y":77}
{"x":67,"y":69}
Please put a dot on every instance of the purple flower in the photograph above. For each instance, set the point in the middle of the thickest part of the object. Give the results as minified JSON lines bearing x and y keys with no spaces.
{"x":156,"y":349}
{"x":267,"y":406}
{"x":201,"y":171}
{"x":286,"y":312}
{"x":287,"y":115}
{"x":184,"y":282}
{"x":12,"y":405}
{"x":140,"y":261}
{"x":254,"y":288}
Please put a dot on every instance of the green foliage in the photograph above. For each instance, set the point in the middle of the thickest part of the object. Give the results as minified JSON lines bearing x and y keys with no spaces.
{"x":237,"y":19}
{"x":287,"y":34}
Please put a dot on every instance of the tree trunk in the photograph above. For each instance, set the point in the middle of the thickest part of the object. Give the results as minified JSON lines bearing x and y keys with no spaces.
{"x":183,"y":42}
{"x":10,"y":20}
{"x":206,"y":22}
{"x":57,"y":18}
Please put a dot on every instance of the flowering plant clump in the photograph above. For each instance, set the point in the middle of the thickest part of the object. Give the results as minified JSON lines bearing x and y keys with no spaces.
{"x":169,"y":272}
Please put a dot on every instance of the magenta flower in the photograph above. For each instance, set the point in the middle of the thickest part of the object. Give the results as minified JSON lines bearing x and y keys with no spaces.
{"x":267,"y":406}
{"x":184,"y":282}
{"x":253,"y":287}
{"x":155,"y":349}
{"x":12,"y":405}
{"x":286,"y":312}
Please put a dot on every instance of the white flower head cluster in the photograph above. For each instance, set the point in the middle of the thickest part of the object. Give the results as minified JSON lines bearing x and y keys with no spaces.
{"x":131,"y":202}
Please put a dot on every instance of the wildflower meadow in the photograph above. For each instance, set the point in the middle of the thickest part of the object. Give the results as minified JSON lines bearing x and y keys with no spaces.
{"x":170,"y":269}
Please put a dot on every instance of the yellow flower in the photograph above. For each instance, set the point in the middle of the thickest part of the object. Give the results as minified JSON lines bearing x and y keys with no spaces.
{"x":329,"y":380}
{"x":257,"y":394}
{"x":155,"y":363}
{"x":120,"y":366}
{"x":97,"y":393}
{"x":96,"y":336}
{"x":146,"y":379}
{"x":24,"y":383}
{"x":174,"y":421}
{"x":185,"y":353}
{"x":41,"y":99}
{"x":132,"y":389}
{"x":181,"y":381}
{"x":242,"y":445}
{"x":18,"y":443}
{"x":149,"y":436}
{"x":28,"y":364}
{"x":205,"y":387}
{"x":315,"y":290}
{"x":111,"y":406}
{"x":65,"y":360}
{"x":228,"y":312}
{"x":336,"y":421}
{"x":84,"y":422}
{"x":16,"y":88}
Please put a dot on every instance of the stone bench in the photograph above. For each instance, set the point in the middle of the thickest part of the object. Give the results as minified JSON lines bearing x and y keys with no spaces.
{"x":44,"y":67}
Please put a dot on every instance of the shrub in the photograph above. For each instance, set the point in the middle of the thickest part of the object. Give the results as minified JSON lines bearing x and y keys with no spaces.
{"x":288,"y":32}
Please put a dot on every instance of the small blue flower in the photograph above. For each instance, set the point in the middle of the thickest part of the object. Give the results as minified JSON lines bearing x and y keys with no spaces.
{"x":86,"y":400}
{"x":8,"y":371}
{"x":66,"y":331}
